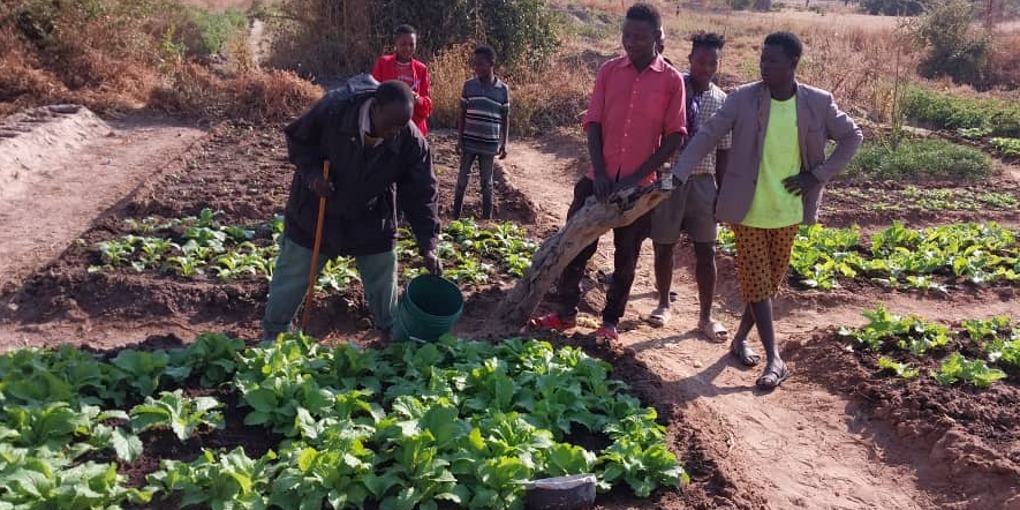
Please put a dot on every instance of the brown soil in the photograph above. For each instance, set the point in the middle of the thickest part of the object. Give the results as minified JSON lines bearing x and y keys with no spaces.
{"x":965,"y":439}
{"x":68,"y":169}
{"x":802,"y":446}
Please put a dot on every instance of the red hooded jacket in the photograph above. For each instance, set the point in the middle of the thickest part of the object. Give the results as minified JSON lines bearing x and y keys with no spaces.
{"x":386,"y":69}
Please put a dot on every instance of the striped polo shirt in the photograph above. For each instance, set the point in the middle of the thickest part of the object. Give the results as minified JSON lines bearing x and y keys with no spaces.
{"x":485,"y":107}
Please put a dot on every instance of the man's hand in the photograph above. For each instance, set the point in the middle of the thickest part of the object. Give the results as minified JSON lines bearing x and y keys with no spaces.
{"x":501,"y":152}
{"x":432,"y":263}
{"x":800,"y":183}
{"x":603,"y":187}
{"x":321,"y":187}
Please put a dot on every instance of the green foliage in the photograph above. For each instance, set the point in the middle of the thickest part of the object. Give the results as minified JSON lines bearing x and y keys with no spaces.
{"x":212,"y":357}
{"x":215,"y":29}
{"x":956,"y":49}
{"x":523,"y":32}
{"x":912,"y":337}
{"x":409,"y":426}
{"x":886,"y":331}
{"x":194,"y":246}
{"x":231,"y":480}
{"x":1007,"y":146}
{"x":956,"y":368}
{"x":902,"y":370}
{"x":911,"y":160}
{"x":740,"y":5}
{"x":944,"y":110}
{"x":182,"y":415}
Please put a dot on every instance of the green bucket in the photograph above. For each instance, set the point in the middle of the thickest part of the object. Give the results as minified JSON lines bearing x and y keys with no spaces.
{"x":430,"y":307}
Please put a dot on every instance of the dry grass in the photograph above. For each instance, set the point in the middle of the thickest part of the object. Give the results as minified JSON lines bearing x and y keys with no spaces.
{"x":124,"y":62}
{"x":271,"y":96}
{"x":448,"y":71}
{"x":539,"y":101}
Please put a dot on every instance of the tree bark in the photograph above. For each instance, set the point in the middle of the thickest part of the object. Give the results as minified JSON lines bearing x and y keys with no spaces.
{"x":584,"y":228}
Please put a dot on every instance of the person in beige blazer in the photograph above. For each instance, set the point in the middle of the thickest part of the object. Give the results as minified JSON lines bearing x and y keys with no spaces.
{"x":773,"y":181}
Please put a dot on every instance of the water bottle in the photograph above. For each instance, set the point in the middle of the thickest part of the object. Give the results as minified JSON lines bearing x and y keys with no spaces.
{"x":665,"y":178}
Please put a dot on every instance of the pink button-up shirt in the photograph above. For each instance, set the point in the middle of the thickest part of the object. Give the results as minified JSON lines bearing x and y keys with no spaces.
{"x":636,"y":110}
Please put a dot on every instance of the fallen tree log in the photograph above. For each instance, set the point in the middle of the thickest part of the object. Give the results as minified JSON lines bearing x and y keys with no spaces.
{"x":585,"y":227}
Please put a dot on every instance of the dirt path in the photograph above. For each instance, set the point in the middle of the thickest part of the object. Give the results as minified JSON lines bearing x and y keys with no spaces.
{"x":802,"y":446}
{"x":71,"y":174}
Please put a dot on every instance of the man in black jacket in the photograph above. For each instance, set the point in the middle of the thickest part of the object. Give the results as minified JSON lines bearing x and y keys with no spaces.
{"x":377,"y":162}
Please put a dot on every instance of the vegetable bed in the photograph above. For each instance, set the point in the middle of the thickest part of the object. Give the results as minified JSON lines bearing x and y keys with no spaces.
{"x":900,"y":257}
{"x":200,"y":247}
{"x":410,"y":426}
{"x":946,"y":390}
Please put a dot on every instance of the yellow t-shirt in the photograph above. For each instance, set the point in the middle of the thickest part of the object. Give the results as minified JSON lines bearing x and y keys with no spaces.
{"x":773,"y":206}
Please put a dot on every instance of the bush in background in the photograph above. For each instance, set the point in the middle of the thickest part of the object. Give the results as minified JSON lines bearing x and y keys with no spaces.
{"x":955,"y":48}
{"x":912,"y":160}
{"x":338,"y":38}
{"x":214,"y":29}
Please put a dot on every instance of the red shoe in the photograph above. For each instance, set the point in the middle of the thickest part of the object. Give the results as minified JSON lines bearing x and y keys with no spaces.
{"x":553,"y":322}
{"x":607,"y":332}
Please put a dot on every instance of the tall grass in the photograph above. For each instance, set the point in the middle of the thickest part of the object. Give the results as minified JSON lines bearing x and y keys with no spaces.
{"x":539,"y":100}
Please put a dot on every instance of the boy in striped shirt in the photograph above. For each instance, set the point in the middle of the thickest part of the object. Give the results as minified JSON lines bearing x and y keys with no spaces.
{"x":484,"y":121}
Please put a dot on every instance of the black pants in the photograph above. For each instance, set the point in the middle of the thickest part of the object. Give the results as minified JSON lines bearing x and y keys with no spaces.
{"x":485,"y":162}
{"x":627,"y":247}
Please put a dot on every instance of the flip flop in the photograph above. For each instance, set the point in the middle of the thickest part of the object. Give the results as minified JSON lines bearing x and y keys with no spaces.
{"x":714,"y":331}
{"x":749,"y":358}
{"x":659,"y":317}
{"x":772,"y":377}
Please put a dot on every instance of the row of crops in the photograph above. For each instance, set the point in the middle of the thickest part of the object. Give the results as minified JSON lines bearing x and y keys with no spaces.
{"x":898,"y":256}
{"x":409,"y":426}
{"x":902,"y":257}
{"x":977,"y":352}
{"x":201,"y":246}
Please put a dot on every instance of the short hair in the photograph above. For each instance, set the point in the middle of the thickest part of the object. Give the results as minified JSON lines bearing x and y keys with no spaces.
{"x":486,"y":51}
{"x":708,"y":41}
{"x":790,"y":43}
{"x":393,"y":91}
{"x":647,"y":13}
{"x":404,"y":29}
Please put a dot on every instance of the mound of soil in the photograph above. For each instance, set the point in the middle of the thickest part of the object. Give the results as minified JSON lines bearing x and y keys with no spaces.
{"x":34,"y":141}
{"x":969,"y":438}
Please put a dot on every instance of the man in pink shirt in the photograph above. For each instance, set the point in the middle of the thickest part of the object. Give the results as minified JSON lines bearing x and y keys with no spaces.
{"x":635,"y":122}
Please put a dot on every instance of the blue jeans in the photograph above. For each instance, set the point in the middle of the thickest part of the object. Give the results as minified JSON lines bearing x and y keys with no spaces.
{"x":290,"y":282}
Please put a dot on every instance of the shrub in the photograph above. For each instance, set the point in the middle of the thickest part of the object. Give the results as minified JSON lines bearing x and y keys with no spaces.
{"x":330,"y":37}
{"x":918,"y":159}
{"x":955,"y":49}
{"x":214,"y":29}
{"x":740,"y":5}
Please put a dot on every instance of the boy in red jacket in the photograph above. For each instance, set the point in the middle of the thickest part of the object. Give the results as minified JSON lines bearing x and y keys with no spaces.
{"x":402,"y":65}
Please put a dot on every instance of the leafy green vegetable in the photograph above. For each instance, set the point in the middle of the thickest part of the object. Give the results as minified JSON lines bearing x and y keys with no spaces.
{"x":957,"y":368}
{"x":183,"y":415}
{"x":903,"y":370}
